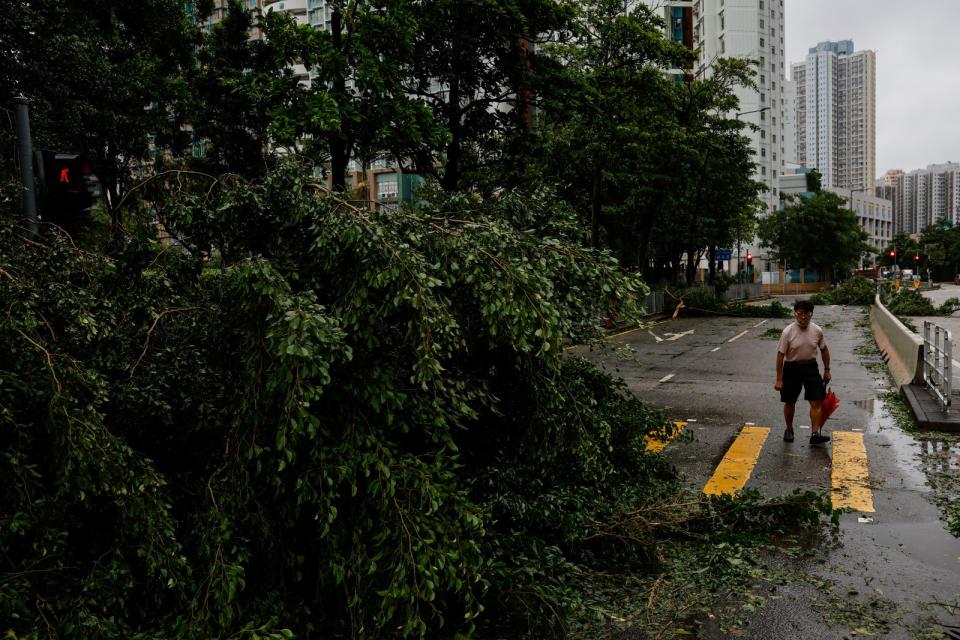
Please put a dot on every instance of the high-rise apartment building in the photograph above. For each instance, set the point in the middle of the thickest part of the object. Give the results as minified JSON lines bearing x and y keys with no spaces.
{"x":888,"y":187}
{"x":677,"y":15}
{"x":923,"y":197}
{"x":751,"y":29}
{"x":790,"y":156}
{"x":836,"y":114}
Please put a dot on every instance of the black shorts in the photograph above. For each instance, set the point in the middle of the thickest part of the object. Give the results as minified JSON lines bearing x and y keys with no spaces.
{"x":802,"y":374}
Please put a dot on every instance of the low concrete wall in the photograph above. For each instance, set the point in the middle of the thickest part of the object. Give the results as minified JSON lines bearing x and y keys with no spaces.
{"x":902,"y":349}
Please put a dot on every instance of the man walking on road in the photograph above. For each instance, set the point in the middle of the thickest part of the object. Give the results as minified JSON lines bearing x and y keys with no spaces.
{"x":797,"y":367}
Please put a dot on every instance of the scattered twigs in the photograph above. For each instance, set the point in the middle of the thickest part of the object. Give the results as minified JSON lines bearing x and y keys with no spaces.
{"x":48,"y":355}
{"x":146,"y":344}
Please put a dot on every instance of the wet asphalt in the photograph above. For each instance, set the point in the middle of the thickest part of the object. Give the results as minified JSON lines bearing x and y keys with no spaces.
{"x":718,"y":374}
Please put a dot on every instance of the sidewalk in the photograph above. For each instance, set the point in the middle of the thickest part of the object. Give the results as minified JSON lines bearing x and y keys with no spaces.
{"x":929,"y":414}
{"x":925,"y":407}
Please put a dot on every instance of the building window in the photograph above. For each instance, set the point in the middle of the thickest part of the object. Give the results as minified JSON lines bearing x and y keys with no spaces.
{"x":763,"y":98}
{"x":763,"y":153}
{"x":761,"y":4}
{"x":761,"y":23}
{"x":763,"y":171}
{"x":762,"y":43}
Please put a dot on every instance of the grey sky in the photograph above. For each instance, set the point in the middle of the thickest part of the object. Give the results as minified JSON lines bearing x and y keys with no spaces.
{"x":918,"y":51}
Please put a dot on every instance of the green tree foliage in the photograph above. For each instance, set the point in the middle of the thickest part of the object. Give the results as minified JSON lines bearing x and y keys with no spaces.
{"x":716,"y":199}
{"x":939,"y":249}
{"x":360,"y":424}
{"x":474,"y":70}
{"x":307,"y":418}
{"x":104,"y":79}
{"x":910,"y":302}
{"x":816,"y":232}
{"x":363,"y":62}
{"x":246,"y":101}
{"x":856,"y":290}
{"x":904,"y":247}
{"x":647,"y":158}
{"x":603,"y":122}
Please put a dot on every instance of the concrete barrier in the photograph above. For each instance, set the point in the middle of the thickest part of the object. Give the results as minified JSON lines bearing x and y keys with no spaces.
{"x":902,"y":349}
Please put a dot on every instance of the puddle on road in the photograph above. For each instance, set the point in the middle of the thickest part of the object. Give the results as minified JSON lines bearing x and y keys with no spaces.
{"x":905,"y":449}
{"x":866,"y":405}
{"x":941,"y":455}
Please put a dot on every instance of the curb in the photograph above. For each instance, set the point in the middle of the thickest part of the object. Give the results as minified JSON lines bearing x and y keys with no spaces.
{"x":902,"y":349}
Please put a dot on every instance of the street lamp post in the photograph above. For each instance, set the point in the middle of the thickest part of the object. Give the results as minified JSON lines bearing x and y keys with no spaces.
{"x":743,"y":113}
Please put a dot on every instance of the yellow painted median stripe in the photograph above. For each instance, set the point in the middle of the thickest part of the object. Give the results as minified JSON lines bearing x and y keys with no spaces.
{"x":656,"y":445}
{"x":850,"y":479}
{"x":735,"y":468}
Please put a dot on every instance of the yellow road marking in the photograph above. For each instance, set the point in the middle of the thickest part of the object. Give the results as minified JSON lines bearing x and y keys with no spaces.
{"x":656,"y":445}
{"x":735,"y":468}
{"x":623,"y":333}
{"x":850,"y":479}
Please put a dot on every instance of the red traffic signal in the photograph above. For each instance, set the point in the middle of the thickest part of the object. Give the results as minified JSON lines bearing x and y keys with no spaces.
{"x":68,"y":185}
{"x":892,"y":253}
{"x":749,"y":258}
{"x":916,"y":258}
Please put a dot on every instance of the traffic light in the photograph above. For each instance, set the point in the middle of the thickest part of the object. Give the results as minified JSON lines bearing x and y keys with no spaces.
{"x":749,"y":258}
{"x":66,"y":181}
{"x":916,"y":258}
{"x":892,"y":254}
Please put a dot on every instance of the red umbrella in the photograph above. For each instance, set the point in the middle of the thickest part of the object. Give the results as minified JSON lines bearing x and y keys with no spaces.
{"x":830,"y":404}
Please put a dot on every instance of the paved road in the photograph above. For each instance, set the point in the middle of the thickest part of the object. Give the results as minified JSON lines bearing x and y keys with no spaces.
{"x":717,"y":374}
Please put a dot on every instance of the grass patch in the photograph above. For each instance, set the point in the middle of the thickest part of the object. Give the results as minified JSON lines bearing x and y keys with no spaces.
{"x":772,"y":334}
{"x":867,"y":349}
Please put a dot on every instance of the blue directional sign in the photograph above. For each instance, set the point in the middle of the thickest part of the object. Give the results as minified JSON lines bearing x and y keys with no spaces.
{"x":724,"y":254}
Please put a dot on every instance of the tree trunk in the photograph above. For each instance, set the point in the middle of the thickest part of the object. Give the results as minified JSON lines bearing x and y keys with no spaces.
{"x":595,"y":206}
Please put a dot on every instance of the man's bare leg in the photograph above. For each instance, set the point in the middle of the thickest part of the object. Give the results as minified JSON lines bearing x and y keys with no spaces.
{"x":816,"y":412}
{"x":788,"y":410}
{"x":816,"y":422}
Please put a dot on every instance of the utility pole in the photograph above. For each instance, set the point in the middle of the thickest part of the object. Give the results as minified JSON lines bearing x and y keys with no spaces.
{"x":25,"y":153}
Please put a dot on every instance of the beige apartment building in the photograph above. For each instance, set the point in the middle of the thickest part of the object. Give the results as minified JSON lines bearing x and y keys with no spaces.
{"x":835,"y":130}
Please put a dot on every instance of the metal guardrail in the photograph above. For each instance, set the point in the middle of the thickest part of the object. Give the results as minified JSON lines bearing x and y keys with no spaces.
{"x":743,"y":291}
{"x":938,"y":362}
{"x":653,"y":303}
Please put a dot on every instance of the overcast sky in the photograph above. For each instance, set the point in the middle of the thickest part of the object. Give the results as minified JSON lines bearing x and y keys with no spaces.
{"x":918,"y":69}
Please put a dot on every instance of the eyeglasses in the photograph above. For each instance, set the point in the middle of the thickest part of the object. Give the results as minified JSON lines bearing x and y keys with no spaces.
{"x":801,"y":312}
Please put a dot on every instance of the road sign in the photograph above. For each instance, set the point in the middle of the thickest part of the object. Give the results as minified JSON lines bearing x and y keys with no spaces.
{"x":724,"y":254}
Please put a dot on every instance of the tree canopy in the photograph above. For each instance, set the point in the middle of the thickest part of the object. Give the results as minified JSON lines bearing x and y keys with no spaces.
{"x":299,"y":415}
{"x":818,"y":232}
